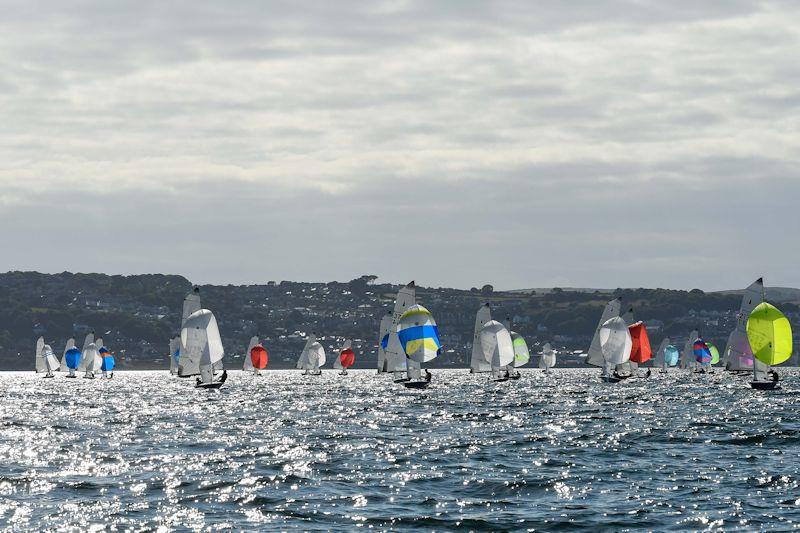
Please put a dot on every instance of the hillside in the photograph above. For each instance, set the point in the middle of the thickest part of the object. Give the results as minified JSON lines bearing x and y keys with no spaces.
{"x":137,"y":315}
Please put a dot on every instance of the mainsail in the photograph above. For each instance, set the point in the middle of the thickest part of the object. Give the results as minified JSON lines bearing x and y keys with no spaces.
{"x":64,"y":366}
{"x":548,"y":358}
{"x":595,"y":354}
{"x":39,"y":360}
{"x":86,"y":342}
{"x":687,"y":357}
{"x":383,"y":339}
{"x":659,"y":359}
{"x":248,"y":362}
{"x":478,"y":362}
{"x":738,"y":356}
{"x":397,"y":362}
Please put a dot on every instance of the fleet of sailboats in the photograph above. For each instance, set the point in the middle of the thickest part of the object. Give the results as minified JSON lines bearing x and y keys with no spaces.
{"x":409,"y":339}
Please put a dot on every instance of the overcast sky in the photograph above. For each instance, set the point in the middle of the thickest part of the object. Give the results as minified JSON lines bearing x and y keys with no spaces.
{"x":592,"y":143}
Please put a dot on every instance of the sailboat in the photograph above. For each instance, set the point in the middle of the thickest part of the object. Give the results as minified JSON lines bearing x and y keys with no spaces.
{"x":497,"y":348}
{"x":64,"y":367}
{"x":383,"y":339}
{"x":46,"y":362}
{"x":248,"y":362}
{"x":395,"y":359}
{"x":258,"y":358}
{"x":202,"y":347}
{"x":659,"y":359}
{"x":419,"y":339}
{"x":86,"y":357}
{"x":345,"y":359}
{"x":595,"y":356}
{"x":702,"y":356}
{"x":641,"y":352}
{"x":672,"y":356}
{"x":107,"y":362}
{"x":626,"y":369}
{"x":72,"y":358}
{"x":312,"y":357}
{"x":615,"y":344}
{"x":188,"y":367}
{"x":522,"y":355}
{"x":548,"y":358}
{"x":770,"y":336}
{"x":687,"y":356}
{"x":91,"y":360}
{"x":738,"y":357}
{"x":174,"y":354}
{"x":478,"y":362}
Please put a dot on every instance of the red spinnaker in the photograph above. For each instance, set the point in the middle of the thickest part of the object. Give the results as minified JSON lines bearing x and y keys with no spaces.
{"x":347,"y":357}
{"x":641,"y":350}
{"x":259,"y":357}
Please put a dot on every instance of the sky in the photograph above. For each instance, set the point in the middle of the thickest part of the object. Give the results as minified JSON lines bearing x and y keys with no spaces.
{"x":590,"y":143}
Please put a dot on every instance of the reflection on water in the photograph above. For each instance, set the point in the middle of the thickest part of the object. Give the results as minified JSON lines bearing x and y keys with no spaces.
{"x":290,"y":451}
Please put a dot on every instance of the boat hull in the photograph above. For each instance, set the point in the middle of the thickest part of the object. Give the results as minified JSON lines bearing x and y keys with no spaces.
{"x":416,"y":384}
{"x":765,"y":385}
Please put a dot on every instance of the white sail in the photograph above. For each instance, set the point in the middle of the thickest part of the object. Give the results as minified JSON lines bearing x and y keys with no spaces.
{"x":201,"y":345}
{"x":478,"y":362}
{"x":628,"y":366}
{"x":41,"y":365}
{"x":548,"y":358}
{"x":659,"y":360}
{"x":738,"y":355}
{"x":615,"y":341}
{"x":496,"y":345}
{"x":91,"y":360}
{"x":316,"y":356}
{"x":687,"y":356}
{"x":70,"y":344}
{"x":51,"y":362}
{"x":303,"y":362}
{"x":191,"y":304}
{"x":248,"y":361}
{"x":83,"y":363}
{"x":383,"y":362}
{"x":595,"y":354}
{"x":406,"y":298}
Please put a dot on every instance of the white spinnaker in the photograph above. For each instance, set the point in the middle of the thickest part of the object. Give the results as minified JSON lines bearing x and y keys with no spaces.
{"x":41,"y":366}
{"x":628,"y":366}
{"x":496,"y":345}
{"x":303,"y":362}
{"x":51,"y":362}
{"x":406,"y":298}
{"x":659,"y":360}
{"x":82,"y":364}
{"x":687,"y":356}
{"x":738,"y":348}
{"x":386,"y":322}
{"x":191,"y":304}
{"x":478,"y":362}
{"x":248,"y":361}
{"x":615,"y":341}
{"x":70,"y":344}
{"x":316,"y":356}
{"x":548,"y":359}
{"x":91,"y":359}
{"x":202,"y":343}
{"x":595,"y":354}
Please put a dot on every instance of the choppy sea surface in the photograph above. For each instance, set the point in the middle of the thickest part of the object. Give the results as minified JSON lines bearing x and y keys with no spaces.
{"x":283,"y":451}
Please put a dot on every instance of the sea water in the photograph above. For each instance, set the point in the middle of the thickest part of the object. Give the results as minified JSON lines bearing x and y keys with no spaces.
{"x":145,"y":450}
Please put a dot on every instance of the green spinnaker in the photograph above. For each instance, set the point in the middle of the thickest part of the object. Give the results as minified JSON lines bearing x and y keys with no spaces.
{"x":714,"y":353}
{"x":770,"y":334}
{"x":521,"y":353}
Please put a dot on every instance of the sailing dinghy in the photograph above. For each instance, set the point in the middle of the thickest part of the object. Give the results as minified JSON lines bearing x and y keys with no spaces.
{"x":497,"y":348}
{"x":478,"y":362}
{"x":186,"y":366}
{"x":687,"y":356}
{"x":641,"y":352}
{"x":395,"y":360}
{"x":702,"y":355}
{"x":522,"y":354}
{"x":71,"y":359}
{"x":419,"y":339}
{"x":616,"y":344}
{"x":312,"y":357}
{"x":345,"y":359}
{"x":46,"y":361}
{"x":202,"y":347}
{"x":64,"y":367}
{"x":595,"y":355}
{"x":85,"y":357}
{"x":770,"y":336}
{"x":90,"y":357}
{"x":258,"y":357}
{"x":660,"y":359}
{"x":548,"y":358}
{"x":107,"y":362}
